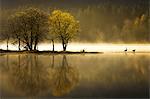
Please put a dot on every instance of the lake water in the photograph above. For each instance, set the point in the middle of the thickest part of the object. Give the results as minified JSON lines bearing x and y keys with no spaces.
{"x":108,"y":75}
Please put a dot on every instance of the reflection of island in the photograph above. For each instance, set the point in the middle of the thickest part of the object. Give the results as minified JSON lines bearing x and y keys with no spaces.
{"x":65,"y":78}
{"x":30,"y":76}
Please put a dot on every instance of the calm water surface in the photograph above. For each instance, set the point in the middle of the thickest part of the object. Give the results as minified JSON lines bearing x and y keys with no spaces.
{"x":90,"y":75}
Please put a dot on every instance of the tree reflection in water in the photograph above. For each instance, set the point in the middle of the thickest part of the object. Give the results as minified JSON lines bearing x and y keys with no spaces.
{"x":65,"y":78}
{"x":30,"y":76}
{"x":4,"y":63}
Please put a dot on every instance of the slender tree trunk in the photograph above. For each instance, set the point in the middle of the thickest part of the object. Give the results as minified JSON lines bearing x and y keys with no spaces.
{"x":19,"y":45}
{"x":36,"y":42}
{"x":35,"y":46}
{"x":28,"y":45}
{"x":53,"y":45}
{"x":64,"y":47}
{"x":31,"y":40}
{"x":7,"y":44}
{"x":36,"y":38}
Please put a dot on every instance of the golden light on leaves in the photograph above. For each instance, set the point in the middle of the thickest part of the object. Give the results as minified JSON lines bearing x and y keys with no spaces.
{"x":64,"y":26}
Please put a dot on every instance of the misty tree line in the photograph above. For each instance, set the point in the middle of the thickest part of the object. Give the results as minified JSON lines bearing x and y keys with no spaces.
{"x":30,"y":26}
{"x":114,"y":23}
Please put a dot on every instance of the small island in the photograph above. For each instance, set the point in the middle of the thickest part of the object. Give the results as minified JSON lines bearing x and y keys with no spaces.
{"x":46,"y":52}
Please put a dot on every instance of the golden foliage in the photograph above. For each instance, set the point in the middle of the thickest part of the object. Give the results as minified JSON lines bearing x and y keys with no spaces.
{"x":63,"y":25}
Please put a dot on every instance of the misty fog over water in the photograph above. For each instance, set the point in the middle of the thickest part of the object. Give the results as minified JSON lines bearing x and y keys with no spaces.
{"x":89,"y":47}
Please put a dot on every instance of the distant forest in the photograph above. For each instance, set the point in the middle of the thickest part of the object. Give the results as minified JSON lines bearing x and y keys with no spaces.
{"x":106,"y":21}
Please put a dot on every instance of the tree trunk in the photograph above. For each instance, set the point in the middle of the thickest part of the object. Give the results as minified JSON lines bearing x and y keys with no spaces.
{"x":7,"y":44}
{"x":36,"y":38}
{"x":35,"y":46}
{"x":31,"y":40}
{"x":36,"y":42}
{"x":28,"y":46}
{"x":53,"y":45}
{"x":19,"y":45}
{"x":64,"y":47}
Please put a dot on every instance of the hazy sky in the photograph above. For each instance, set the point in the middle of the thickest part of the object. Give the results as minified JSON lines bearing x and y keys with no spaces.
{"x":64,"y":3}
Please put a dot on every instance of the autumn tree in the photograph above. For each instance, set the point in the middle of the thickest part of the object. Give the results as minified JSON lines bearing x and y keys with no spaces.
{"x":29,"y":26}
{"x":64,"y":26}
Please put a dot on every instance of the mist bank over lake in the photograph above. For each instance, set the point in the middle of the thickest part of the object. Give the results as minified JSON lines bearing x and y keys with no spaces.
{"x":88,"y":47}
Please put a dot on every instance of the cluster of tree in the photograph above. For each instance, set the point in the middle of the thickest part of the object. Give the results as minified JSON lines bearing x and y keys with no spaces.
{"x":30,"y":26}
